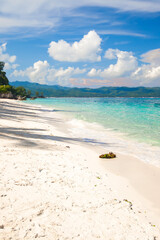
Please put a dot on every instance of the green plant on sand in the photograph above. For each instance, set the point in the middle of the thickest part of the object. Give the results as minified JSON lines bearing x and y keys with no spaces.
{"x":108,"y":155}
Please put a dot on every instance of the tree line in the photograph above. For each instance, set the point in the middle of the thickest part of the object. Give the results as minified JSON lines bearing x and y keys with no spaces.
{"x":15,"y":92}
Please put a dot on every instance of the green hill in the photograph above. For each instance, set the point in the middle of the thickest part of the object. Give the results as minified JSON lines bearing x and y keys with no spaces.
{"x":59,"y":91}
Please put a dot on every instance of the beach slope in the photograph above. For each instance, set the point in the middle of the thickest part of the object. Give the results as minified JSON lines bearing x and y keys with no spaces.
{"x":50,"y":190}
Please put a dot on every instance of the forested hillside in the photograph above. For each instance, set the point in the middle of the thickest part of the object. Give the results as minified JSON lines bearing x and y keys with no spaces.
{"x":59,"y":91}
{"x":8,"y":91}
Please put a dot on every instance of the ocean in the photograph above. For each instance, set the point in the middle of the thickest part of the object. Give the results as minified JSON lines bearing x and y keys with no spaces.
{"x":126,"y":125}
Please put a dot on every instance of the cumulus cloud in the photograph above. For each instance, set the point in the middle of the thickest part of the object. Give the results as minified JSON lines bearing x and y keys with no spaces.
{"x":126,"y":63}
{"x":150,"y":72}
{"x":42,"y":73}
{"x":127,"y":67}
{"x":63,"y":76}
{"x":9,"y":66}
{"x":6,"y":58}
{"x":59,"y":73}
{"x":87,"y":49}
{"x":36,"y":73}
{"x":147,"y":74}
{"x":93,"y":72}
{"x":124,"y":71}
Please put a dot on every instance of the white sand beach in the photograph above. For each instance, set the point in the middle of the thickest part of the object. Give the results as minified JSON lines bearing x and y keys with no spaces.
{"x":54,"y":186}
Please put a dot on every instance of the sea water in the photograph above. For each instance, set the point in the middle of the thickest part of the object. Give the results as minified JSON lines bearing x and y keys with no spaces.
{"x":128,"y":125}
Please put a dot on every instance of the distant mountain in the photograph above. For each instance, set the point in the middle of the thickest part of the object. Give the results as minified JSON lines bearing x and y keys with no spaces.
{"x":59,"y":91}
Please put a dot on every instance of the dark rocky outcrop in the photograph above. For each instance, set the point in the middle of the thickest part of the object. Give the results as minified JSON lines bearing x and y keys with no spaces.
{"x":32,"y":98}
{"x":108,"y":155}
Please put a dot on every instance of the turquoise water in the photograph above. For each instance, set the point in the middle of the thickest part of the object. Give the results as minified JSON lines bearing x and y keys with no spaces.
{"x":136,"y":118}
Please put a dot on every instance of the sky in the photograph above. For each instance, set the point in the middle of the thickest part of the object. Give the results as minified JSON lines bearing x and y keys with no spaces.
{"x":87,"y":43}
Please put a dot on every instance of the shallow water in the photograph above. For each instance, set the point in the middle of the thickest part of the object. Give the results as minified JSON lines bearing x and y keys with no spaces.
{"x":124,"y":119}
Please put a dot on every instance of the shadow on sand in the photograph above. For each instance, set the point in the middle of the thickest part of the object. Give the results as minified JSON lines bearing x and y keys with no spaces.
{"x":31,"y":137}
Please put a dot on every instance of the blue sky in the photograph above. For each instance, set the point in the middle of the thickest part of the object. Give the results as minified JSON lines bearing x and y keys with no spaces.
{"x":90,"y":43}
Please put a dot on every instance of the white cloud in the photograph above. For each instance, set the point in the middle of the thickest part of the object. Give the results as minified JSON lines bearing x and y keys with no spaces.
{"x":126,"y":63}
{"x":44,"y":14}
{"x":122,"y":33}
{"x":9,"y":25}
{"x":6,"y":58}
{"x":150,"y":72}
{"x":42,"y":73}
{"x":125,"y":70}
{"x":30,"y":6}
{"x":63,"y":76}
{"x":147,"y":74}
{"x":10,"y":66}
{"x":111,"y":53}
{"x":87,"y":49}
{"x":127,"y":67}
{"x":93,"y":72}
{"x":37,"y":73}
{"x":3,"y":47}
{"x":67,"y":72}
{"x":153,"y":73}
{"x":152,"y":57}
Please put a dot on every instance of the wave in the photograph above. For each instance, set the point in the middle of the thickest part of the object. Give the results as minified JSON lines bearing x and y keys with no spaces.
{"x":117,"y":142}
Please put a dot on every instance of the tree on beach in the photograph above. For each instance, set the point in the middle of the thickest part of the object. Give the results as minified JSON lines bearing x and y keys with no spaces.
{"x":37,"y":94}
{"x":6,"y":89}
{"x":3,"y":78}
{"x":1,"y":66}
{"x":20,"y":91}
{"x":29,"y":93}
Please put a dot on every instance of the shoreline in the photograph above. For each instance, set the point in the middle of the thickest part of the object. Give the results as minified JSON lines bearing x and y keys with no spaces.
{"x":34,"y":142}
{"x":120,"y":140}
{"x":140,"y":175}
